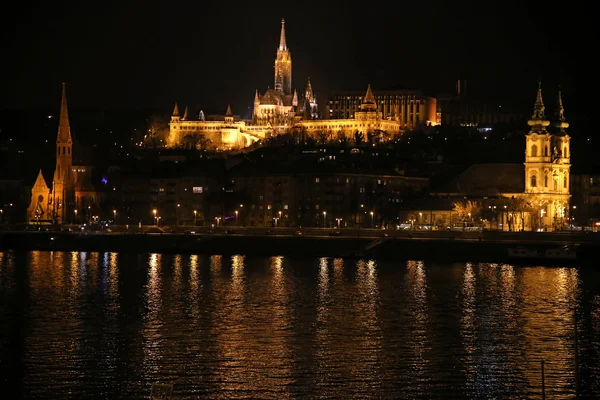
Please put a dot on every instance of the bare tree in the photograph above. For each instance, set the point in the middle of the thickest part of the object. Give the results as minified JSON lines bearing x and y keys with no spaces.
{"x":468,"y":211}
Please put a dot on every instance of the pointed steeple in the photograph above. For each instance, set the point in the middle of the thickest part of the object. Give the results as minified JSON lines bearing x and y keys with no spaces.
{"x":256,"y":98}
{"x":538,"y":121}
{"x":185,"y":113}
{"x":282,"y":45}
{"x":64,"y":130}
{"x":310,"y":96}
{"x":368,"y":102}
{"x":228,"y":113}
{"x":40,"y":182}
{"x":295,"y":98}
{"x":561,"y":121}
{"x":176,"y":110}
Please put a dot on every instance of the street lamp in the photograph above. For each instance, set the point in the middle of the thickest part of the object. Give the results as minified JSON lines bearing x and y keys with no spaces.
{"x":279,"y":214}
{"x":195,"y":213}
{"x":338,"y":222}
{"x":324,"y":219}
{"x":372,"y":219}
{"x":114,"y":215}
{"x":155,"y":220}
{"x":236,"y":217}
{"x":75,"y":216}
{"x":218,"y":219}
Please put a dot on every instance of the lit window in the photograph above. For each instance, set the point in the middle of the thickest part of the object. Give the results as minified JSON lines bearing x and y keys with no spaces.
{"x":197,"y":189}
{"x":285,"y":207}
{"x":161,"y":189}
{"x":269,"y":207}
{"x":317,"y":180}
{"x":316,"y":207}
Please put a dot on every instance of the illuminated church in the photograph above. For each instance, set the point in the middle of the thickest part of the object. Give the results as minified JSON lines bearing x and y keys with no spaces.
{"x":276,"y":111}
{"x":534,"y":195}
{"x":71,"y":191}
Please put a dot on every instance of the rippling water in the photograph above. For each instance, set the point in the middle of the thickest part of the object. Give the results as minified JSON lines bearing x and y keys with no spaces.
{"x":107,"y":325}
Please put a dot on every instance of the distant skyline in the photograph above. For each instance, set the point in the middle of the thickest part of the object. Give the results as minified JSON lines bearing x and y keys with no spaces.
{"x":135,"y":55}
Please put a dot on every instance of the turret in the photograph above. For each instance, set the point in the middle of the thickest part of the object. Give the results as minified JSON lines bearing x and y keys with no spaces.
{"x":175,"y":116}
{"x":228,"y":115}
{"x":560,"y":120}
{"x":368,"y":102}
{"x":185,"y":114}
{"x":538,"y":120}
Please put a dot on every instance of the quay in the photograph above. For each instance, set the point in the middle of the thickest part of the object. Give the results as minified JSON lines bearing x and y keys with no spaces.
{"x":455,"y":246}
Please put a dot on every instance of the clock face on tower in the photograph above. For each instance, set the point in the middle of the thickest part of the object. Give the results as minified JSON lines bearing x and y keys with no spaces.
{"x":40,"y":198}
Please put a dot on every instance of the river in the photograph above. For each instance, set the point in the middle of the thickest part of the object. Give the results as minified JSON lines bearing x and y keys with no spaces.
{"x":105,"y":325}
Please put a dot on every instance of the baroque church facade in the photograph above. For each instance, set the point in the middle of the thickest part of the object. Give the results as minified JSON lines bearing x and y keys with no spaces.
{"x":71,"y":191}
{"x":534,"y":195}
{"x":278,"y":110}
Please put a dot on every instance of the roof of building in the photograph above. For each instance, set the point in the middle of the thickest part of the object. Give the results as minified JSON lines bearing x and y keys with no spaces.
{"x":487,"y":179}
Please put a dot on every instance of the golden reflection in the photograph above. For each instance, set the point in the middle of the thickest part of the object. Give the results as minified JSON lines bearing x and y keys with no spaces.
{"x":548,"y":325}
{"x":237,"y":274}
{"x":113,"y":279}
{"x":368,"y":345}
{"x":338,"y":270}
{"x":93,"y":265}
{"x":177,"y":274}
{"x":468,"y":331}
{"x":278,"y":356}
{"x":323,"y":283}
{"x":216,"y":264}
{"x":233,"y":332}
{"x":419,"y":323}
{"x":195,"y":286}
{"x":153,"y":323}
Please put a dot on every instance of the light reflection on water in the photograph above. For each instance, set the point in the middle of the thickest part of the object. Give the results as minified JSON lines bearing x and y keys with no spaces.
{"x":107,"y":325}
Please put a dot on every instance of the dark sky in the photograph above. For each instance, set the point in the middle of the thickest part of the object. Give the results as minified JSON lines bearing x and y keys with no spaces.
{"x":147,"y":54}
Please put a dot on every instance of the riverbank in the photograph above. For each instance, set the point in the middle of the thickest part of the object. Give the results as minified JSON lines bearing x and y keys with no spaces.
{"x":473,"y":248}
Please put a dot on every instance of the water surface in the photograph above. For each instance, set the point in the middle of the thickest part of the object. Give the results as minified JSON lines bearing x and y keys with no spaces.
{"x":109,"y":325}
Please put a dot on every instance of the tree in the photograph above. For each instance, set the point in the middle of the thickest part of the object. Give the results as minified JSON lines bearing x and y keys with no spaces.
{"x":468,"y":211}
{"x":322,"y":137}
{"x":342,"y":139}
{"x":157,"y":131}
{"x":359,"y":138}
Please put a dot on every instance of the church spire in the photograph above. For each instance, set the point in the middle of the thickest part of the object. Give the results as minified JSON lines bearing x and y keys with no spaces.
{"x":538,"y":120}
{"x":228,"y":113}
{"x":282,"y":45}
{"x":256,"y":98}
{"x":64,"y":130}
{"x":176,"y":110}
{"x":368,"y":102}
{"x":295,"y":98}
{"x":309,"y":92}
{"x":185,"y":113}
{"x":561,"y":121}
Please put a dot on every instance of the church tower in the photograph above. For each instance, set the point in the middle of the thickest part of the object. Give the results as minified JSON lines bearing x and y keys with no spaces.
{"x":311,"y":101}
{"x":63,"y":194}
{"x":283,"y":65}
{"x":547,"y":166}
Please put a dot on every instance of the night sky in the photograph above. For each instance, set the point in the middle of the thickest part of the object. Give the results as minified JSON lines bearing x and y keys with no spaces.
{"x":134,"y":55}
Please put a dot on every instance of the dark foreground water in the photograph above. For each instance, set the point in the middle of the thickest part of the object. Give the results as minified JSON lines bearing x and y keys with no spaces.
{"x":106,"y":325}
